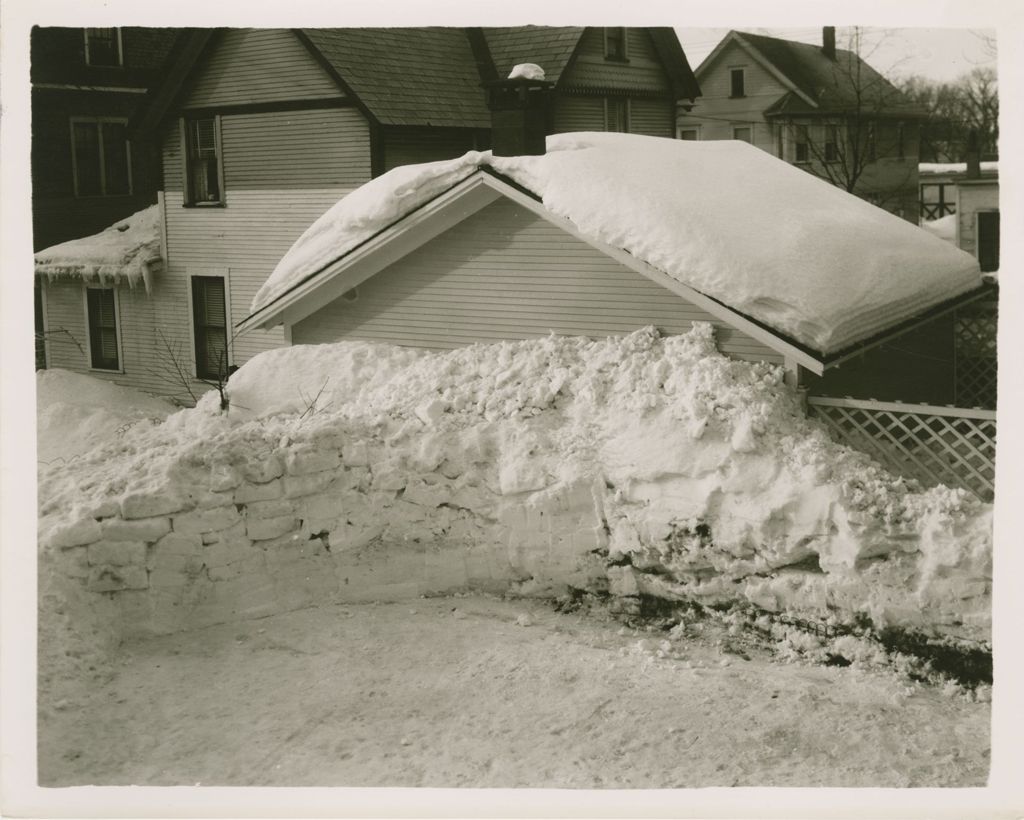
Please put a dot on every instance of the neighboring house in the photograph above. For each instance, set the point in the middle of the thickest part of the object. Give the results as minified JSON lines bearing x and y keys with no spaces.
{"x":821,"y":108}
{"x":966,"y":194}
{"x":263,"y":130}
{"x":86,"y":172}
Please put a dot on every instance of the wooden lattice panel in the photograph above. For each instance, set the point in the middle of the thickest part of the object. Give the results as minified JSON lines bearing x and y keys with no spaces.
{"x":935,"y":445}
{"x":975,"y":339}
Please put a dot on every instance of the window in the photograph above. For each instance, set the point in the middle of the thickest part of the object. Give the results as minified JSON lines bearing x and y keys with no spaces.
{"x":101,"y":308}
{"x":736,"y":82}
{"x":100,"y":157}
{"x":742,"y":133}
{"x":202,"y":162}
{"x":616,"y":114}
{"x":103,"y":46}
{"x":210,"y":326}
{"x":615,"y":44}
{"x":801,"y":144}
{"x":988,"y":240}
{"x":690,"y":134}
{"x":831,"y":144}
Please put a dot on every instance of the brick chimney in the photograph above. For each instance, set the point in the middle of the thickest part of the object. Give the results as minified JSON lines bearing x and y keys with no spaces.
{"x":973,"y":155}
{"x":520,"y":111}
{"x":828,"y":42}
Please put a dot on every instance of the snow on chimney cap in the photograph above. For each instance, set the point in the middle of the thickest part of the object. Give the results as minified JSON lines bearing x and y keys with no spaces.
{"x":527,"y":71}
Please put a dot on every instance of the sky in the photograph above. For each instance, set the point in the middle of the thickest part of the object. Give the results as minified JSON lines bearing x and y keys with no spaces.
{"x":937,"y":53}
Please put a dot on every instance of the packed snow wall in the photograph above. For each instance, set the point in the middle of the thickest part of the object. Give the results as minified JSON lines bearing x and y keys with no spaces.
{"x":634,"y":465}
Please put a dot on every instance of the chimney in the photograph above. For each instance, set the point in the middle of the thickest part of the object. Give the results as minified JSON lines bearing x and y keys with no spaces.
{"x":520,"y":112}
{"x":828,"y":42}
{"x":973,"y":155}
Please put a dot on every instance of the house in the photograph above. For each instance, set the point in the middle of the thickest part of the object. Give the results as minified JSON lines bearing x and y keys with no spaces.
{"x":263,"y":130}
{"x":485,"y":248}
{"x":966,"y":196}
{"x":86,"y":172}
{"x":823,"y":109}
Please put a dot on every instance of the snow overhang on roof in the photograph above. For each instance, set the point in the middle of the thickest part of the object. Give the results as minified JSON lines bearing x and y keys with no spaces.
{"x":128,"y":252}
{"x":793,"y":261}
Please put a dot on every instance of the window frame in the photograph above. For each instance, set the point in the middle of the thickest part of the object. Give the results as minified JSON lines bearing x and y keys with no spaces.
{"x":608,"y":55}
{"x":733,"y":72}
{"x":93,"y":367}
{"x":188,"y":194}
{"x":695,"y":128}
{"x":209,"y":273}
{"x":744,"y":127}
{"x":627,"y":113}
{"x":801,"y":136}
{"x":98,"y":122}
{"x":120,"y":50}
{"x":831,"y":141}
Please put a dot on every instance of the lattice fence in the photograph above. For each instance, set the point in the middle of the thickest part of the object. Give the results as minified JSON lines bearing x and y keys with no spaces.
{"x":974,"y":329}
{"x":936,"y":445}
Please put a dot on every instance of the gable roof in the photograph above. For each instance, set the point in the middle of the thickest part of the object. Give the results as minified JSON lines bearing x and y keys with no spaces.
{"x":813,"y":275}
{"x":821,"y":85}
{"x":428,"y":76}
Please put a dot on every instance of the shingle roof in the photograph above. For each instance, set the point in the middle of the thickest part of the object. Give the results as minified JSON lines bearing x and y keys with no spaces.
{"x":835,"y":85}
{"x":408,"y":76}
{"x":549,"y":47}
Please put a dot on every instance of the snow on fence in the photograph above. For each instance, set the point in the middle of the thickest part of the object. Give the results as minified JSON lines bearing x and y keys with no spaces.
{"x":936,"y":445}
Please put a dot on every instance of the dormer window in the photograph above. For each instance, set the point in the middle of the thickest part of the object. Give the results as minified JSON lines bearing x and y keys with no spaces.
{"x":737,"y":82}
{"x":103,"y":47}
{"x":615,"y":44}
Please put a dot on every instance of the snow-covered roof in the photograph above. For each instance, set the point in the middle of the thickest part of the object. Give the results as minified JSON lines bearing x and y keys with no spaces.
{"x":127,"y":251}
{"x":955,"y":167}
{"x":723,"y":218}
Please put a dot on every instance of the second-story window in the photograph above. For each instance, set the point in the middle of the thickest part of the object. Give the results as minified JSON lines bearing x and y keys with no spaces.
{"x":100,"y":157}
{"x":203,"y":162}
{"x":103,"y":47}
{"x":615,"y":44}
{"x":831,"y":144}
{"x":737,"y":82}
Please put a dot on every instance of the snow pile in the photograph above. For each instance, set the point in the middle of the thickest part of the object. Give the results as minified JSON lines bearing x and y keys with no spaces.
{"x":954,"y":167}
{"x":943,"y":227}
{"x":723,"y":217}
{"x":76,"y":413}
{"x":127,"y":251}
{"x":638,"y":464}
{"x":526,"y":71}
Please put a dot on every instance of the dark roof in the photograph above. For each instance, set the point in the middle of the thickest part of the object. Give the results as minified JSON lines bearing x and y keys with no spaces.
{"x":421,"y":76}
{"x":549,"y":47}
{"x":838,"y":85}
{"x":407,"y":76}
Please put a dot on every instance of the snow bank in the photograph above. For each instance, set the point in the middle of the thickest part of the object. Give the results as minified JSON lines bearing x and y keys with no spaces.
{"x":723,"y":217}
{"x":954,"y":167}
{"x":76,"y":413}
{"x":639,"y":464}
{"x":943,"y":228}
{"x":127,"y":251}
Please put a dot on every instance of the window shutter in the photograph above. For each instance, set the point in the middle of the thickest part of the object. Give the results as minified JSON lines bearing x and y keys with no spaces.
{"x":209,"y":318}
{"x":102,"y":312}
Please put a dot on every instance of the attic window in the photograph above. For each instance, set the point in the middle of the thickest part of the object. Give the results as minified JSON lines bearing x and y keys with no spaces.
{"x":615,"y":44}
{"x":202,"y":162}
{"x":103,"y":47}
{"x":737,"y":83}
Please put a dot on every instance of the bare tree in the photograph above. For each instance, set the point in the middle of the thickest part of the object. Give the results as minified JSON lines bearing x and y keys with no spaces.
{"x":969,"y":103}
{"x":862,"y":118}
{"x":176,"y":369}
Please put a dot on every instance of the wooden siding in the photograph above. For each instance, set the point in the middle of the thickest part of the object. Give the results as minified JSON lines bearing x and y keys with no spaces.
{"x":407,"y":146}
{"x":972,"y":198}
{"x":642,"y":70}
{"x":505,"y":273}
{"x":282,"y":170}
{"x":259,"y":66}
{"x":717,"y":113}
{"x":651,"y":116}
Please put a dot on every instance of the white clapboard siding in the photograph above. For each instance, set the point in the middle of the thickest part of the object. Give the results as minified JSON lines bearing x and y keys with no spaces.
{"x":409,"y":146}
{"x":282,"y":170}
{"x":505,"y":273}
{"x":578,"y":114}
{"x":653,"y":117}
{"x":258,"y":66}
{"x":642,"y":70}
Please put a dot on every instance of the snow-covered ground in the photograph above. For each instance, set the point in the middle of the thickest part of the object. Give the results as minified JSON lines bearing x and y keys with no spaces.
{"x":77,"y":413}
